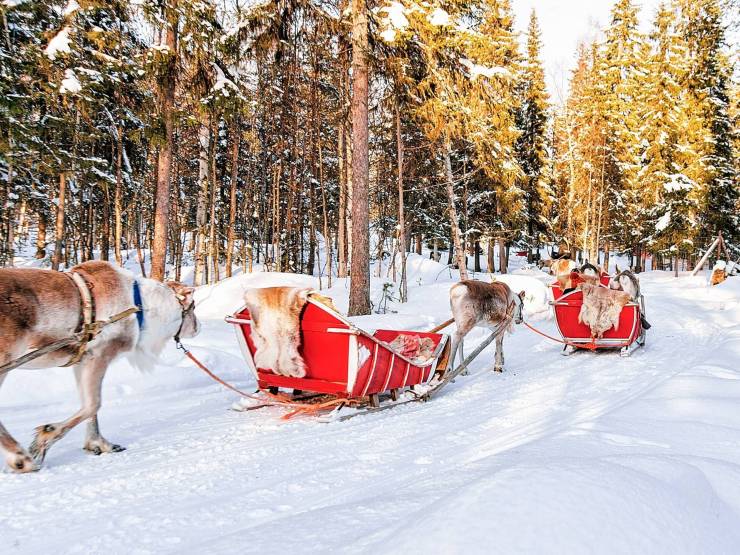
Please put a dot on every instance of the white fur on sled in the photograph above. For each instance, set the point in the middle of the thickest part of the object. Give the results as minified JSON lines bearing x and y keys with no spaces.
{"x":276,"y":313}
{"x":601,"y":308}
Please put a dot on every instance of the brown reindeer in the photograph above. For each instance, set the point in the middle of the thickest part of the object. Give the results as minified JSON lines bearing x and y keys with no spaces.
{"x":493,"y":305}
{"x":40,"y":307}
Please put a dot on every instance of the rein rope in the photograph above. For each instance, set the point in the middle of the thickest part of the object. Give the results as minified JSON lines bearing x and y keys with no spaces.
{"x":272,"y":399}
{"x":590,"y":346}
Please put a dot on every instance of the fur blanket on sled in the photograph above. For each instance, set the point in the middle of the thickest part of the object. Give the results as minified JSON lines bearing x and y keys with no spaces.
{"x":601,"y":308}
{"x":276,"y":327}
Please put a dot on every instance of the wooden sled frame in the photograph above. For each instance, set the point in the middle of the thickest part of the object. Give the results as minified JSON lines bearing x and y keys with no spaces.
{"x":628,"y":337}
{"x":356,"y":367}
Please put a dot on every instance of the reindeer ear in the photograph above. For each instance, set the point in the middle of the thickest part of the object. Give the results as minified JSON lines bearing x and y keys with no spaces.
{"x":616,"y":268}
{"x":522,"y":295}
{"x":183,"y":293}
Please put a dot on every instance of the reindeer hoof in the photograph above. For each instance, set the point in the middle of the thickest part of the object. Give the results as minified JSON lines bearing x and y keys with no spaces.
{"x":98,"y":448}
{"x":498,"y":369}
{"x":42,"y":441}
{"x":21,"y":463}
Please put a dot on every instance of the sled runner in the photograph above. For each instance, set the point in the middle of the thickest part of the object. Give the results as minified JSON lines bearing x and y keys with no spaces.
{"x":628,"y":336}
{"x":348,"y":364}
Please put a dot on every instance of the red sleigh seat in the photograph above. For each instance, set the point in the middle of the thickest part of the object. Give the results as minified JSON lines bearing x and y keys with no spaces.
{"x":342,"y":359}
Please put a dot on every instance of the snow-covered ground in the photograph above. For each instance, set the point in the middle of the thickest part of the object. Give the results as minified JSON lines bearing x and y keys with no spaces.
{"x":590,"y":453}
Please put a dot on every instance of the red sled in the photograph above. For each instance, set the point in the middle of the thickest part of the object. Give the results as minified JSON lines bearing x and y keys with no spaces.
{"x":628,"y":336}
{"x":343,"y":360}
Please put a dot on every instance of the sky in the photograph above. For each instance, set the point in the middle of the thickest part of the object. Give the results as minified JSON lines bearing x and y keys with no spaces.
{"x":564,"y":24}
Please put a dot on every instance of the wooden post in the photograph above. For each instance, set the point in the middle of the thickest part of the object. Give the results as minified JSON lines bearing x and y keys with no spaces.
{"x":706,"y":255}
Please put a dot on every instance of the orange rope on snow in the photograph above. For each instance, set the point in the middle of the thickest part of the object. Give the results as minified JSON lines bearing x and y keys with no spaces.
{"x":276,"y":400}
{"x":591,"y":346}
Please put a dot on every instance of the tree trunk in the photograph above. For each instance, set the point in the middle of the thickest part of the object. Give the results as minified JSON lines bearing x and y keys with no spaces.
{"x":105,"y":226}
{"x":56,"y":260}
{"x":201,"y":217}
{"x":164,"y":162}
{"x":476,"y":255}
{"x":489,"y":258}
{"x":117,"y":215}
{"x":456,"y":235}
{"x":139,"y":252}
{"x":6,"y":214}
{"x":41,"y":237}
{"x":359,"y":288}
{"x":22,"y":225}
{"x":503,"y":263}
{"x":327,"y":235}
{"x":403,"y":287}
{"x":230,"y":232}
{"x":213,"y":242}
{"x":342,"y":216}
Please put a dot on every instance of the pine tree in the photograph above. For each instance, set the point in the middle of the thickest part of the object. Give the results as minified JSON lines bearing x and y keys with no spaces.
{"x":668,"y":196}
{"x":701,"y":27}
{"x":620,"y":80}
{"x":531,"y":144}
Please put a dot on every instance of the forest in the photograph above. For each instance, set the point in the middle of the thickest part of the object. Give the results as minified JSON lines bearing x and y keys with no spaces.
{"x":315,"y":136}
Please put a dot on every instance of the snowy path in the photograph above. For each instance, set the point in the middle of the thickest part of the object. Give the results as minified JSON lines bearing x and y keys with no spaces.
{"x":588,"y":453}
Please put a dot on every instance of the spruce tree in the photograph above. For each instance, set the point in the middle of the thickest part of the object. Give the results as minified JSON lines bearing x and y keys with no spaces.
{"x":708,"y":79}
{"x":531,"y":144}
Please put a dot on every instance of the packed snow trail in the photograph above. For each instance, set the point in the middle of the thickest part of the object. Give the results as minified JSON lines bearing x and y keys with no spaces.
{"x":590,"y":453}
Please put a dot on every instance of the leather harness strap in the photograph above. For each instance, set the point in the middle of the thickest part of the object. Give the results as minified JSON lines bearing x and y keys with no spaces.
{"x":89,"y":328}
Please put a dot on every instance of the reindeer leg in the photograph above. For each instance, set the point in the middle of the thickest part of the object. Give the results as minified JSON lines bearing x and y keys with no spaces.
{"x":461,"y":347}
{"x":17,"y":459}
{"x":499,"y":364}
{"x":456,"y":338}
{"x":91,"y":371}
{"x":94,"y":442}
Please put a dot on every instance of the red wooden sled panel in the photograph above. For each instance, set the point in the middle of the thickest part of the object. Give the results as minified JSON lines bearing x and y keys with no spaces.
{"x":568,"y":306}
{"x":341,"y":359}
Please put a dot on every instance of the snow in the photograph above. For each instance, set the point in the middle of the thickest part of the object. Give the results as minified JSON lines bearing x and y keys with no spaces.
{"x":60,"y":43}
{"x":678,"y":182}
{"x":394,"y":20}
{"x":13,"y":3}
{"x":663,"y":222}
{"x":388,"y":35}
{"x":439,"y":17}
{"x":589,"y":453}
{"x":476,"y":70}
{"x":396,"y":15}
{"x":71,"y":7}
{"x":223,"y":83}
{"x":70,"y":83}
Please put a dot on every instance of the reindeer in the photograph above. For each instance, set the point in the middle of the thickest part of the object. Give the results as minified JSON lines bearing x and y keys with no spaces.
{"x":41,"y":307}
{"x":626,"y":281}
{"x":589,"y":269}
{"x":491,"y":304}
